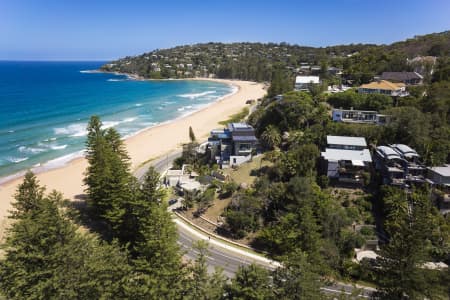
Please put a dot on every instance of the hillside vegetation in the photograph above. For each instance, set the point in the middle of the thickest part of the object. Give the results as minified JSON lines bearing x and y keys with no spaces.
{"x":257,"y":61}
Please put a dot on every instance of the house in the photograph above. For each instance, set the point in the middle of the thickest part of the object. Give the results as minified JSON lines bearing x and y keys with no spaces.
{"x":232,"y":145}
{"x":359,"y":116}
{"x":184,"y":180}
{"x":423,"y":64}
{"x":384,"y":87}
{"x":302,"y":83}
{"x":399,"y":165}
{"x":439,"y":175}
{"x":346,"y":158}
{"x":440,"y":178}
{"x":334,"y":71}
{"x":408,"y":78}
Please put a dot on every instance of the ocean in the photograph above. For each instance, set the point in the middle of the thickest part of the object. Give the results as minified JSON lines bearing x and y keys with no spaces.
{"x":45,"y":107}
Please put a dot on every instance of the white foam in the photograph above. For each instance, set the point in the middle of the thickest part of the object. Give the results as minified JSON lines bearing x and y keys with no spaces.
{"x":89,"y":71}
{"x":74,"y":130}
{"x":109,"y":124}
{"x":181,"y":109}
{"x":16,"y":160}
{"x":196,"y":95}
{"x":30,"y":150}
{"x":59,"y":162}
{"x":58,"y":147}
{"x":114,"y":80}
{"x":138,"y":104}
{"x":127,"y":120}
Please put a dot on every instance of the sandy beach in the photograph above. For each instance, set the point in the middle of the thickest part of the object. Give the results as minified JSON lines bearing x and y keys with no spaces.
{"x":148,"y":144}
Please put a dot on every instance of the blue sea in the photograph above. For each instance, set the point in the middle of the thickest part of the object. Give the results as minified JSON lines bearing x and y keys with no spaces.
{"x":45,"y":107}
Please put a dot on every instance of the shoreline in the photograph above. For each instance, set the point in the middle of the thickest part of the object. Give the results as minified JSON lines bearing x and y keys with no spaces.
{"x":70,"y":157}
{"x":146,"y":144}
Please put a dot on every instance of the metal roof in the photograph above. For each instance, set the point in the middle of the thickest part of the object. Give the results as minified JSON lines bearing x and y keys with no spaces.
{"x":405,"y":150}
{"x":239,"y":126}
{"x":307,"y":79}
{"x":346,"y":140}
{"x":442,"y":170}
{"x":353,"y":155}
{"x":388,"y":152}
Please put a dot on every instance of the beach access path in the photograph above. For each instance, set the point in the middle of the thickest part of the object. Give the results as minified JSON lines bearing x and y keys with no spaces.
{"x":151,"y":143}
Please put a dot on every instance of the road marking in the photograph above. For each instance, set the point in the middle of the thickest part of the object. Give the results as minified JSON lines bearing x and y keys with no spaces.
{"x":342,"y":292}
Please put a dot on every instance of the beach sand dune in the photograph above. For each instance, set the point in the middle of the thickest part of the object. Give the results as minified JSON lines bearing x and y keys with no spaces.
{"x":150,"y":143}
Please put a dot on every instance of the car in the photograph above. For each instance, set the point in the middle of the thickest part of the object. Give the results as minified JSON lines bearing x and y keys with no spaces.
{"x":172,"y":201}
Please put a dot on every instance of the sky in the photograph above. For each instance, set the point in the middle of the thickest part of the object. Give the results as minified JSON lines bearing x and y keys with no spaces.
{"x":105,"y":30}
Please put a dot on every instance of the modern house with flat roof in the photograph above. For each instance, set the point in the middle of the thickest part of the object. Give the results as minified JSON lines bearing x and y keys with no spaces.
{"x":346,"y":158}
{"x":440,"y":178}
{"x":302,"y":83}
{"x":359,"y":116}
{"x":439,"y":175}
{"x":399,"y":165}
{"x":232,"y":145}
{"x":384,"y":87}
{"x":408,"y":78}
{"x":346,"y":142}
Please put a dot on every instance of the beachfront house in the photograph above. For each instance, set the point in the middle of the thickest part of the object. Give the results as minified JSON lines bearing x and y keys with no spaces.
{"x":399,"y":165}
{"x":359,"y":116}
{"x":302,"y":83}
{"x":232,"y":145}
{"x":408,"y":78}
{"x":384,"y":87}
{"x":346,"y":159}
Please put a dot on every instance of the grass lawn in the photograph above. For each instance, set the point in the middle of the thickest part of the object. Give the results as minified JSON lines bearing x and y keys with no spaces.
{"x":247,"y":172}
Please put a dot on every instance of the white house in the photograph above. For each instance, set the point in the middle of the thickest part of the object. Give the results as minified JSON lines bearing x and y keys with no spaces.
{"x":302,"y":83}
{"x":346,"y":158}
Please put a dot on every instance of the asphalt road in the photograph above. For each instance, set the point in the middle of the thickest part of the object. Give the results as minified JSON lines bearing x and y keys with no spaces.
{"x":221,"y":256}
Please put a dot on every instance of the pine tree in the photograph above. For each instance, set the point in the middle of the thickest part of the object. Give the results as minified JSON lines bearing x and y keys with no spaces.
{"x":200,"y":285}
{"x":98,"y":171}
{"x":28,"y":196}
{"x":157,"y":255}
{"x":192,"y":135}
{"x":109,"y":180}
{"x":47,"y":258}
{"x":297,"y":280}
{"x":410,"y":224}
{"x":251,"y":283}
{"x":31,"y":243}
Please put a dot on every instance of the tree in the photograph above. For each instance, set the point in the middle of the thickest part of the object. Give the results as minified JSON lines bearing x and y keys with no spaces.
{"x":250,"y":283}
{"x":156,"y":252}
{"x":297,"y":280}
{"x":271,"y":137}
{"x":28,"y":196}
{"x":410,"y":225}
{"x":192,"y":135}
{"x":299,"y":161}
{"x":110,"y":184}
{"x":205,"y":199}
{"x":47,"y":258}
{"x":200,"y":285}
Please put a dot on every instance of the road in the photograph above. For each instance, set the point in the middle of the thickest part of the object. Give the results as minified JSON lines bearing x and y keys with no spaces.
{"x":222,"y":255}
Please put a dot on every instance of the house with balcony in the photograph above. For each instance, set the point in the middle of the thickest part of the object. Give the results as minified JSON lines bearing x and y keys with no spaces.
{"x":346,"y":159}
{"x":359,"y":116}
{"x":399,"y":165}
{"x":384,"y":87}
{"x":232,"y":145}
